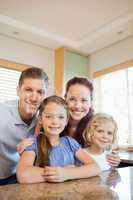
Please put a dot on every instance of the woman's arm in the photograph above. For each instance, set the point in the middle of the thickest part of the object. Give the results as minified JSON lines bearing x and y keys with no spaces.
{"x":26,"y":171}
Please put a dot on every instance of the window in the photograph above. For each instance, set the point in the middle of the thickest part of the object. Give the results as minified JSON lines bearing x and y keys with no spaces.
{"x":114,"y":95}
{"x":9,"y":76}
{"x":8,"y":83}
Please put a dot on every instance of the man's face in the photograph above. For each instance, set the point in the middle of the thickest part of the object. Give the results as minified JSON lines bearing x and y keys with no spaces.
{"x":31,"y":93}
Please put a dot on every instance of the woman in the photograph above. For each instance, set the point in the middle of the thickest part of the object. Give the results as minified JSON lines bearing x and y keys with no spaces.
{"x":78,"y":96}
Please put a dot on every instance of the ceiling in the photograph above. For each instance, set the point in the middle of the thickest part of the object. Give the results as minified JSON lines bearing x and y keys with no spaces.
{"x":83,"y":25}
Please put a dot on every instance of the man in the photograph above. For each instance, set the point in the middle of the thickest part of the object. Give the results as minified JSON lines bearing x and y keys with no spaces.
{"x":18,"y":119}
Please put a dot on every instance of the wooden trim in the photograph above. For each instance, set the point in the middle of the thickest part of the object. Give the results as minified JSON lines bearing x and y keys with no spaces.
{"x":113,"y":68}
{"x":59,"y":71}
{"x":13,"y":65}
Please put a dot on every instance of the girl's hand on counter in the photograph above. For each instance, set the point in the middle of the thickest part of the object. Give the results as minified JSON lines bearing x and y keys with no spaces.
{"x":55,"y":174}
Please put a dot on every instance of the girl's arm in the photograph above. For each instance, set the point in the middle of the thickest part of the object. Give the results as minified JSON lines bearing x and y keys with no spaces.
{"x":84,"y":157}
{"x":60,"y":174}
{"x":26,"y":171}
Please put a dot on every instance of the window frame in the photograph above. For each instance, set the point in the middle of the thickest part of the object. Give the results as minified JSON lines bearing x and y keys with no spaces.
{"x":113,"y":68}
{"x":13,"y":65}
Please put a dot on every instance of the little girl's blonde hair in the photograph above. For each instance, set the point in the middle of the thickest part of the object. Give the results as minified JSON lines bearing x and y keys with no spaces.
{"x":96,"y":120}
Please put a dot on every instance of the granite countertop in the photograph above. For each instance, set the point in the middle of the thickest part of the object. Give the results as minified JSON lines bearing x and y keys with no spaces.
{"x":99,"y":187}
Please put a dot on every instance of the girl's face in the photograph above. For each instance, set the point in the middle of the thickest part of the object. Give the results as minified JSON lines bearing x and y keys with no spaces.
{"x":54,"y":119}
{"x":103,"y":135}
{"x":78,"y":101}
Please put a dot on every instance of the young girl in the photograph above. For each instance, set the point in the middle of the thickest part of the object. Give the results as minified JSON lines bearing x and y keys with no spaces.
{"x":48,"y":149}
{"x":100,"y":136}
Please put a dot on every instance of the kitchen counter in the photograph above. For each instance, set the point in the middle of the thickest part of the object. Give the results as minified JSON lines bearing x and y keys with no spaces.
{"x":126,"y":157}
{"x":110,"y":185}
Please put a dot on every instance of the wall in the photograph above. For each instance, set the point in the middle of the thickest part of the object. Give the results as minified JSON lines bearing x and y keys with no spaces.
{"x":26,"y":53}
{"x":115,"y":54}
{"x":75,"y":65}
{"x":67,"y":65}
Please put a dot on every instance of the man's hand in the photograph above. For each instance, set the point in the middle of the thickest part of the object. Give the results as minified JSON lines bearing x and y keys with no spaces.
{"x":21,"y":146}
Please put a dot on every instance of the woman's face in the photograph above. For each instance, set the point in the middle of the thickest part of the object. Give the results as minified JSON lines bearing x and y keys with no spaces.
{"x":79,"y":101}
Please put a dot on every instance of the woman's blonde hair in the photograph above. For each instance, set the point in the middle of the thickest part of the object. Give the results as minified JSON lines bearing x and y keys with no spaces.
{"x":96,"y":120}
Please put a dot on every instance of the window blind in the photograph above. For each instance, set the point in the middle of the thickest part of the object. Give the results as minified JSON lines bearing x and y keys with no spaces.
{"x":8,"y":83}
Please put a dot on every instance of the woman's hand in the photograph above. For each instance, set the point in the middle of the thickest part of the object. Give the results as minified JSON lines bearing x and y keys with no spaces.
{"x":113,"y":159}
{"x":55,"y":174}
{"x":21,"y":146}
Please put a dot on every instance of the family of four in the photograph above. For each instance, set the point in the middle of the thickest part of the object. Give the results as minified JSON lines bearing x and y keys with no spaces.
{"x":53,"y":139}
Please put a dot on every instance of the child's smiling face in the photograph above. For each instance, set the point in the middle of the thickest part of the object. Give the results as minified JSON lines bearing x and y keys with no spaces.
{"x":103,"y":135}
{"x":54,"y":119}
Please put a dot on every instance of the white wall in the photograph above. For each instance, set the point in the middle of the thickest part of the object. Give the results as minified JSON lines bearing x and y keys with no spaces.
{"x":115,"y":54}
{"x":26,"y":53}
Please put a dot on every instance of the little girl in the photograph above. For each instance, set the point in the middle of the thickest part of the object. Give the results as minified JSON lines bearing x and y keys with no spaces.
{"x":100,"y":136}
{"x":48,"y":149}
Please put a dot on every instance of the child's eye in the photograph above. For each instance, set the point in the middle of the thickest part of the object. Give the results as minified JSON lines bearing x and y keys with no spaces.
{"x":100,"y":131}
{"x":84,"y":100}
{"x":61,"y":117}
{"x":110,"y":133}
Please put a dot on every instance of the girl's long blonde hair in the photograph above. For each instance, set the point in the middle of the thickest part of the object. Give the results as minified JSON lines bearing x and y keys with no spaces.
{"x":96,"y":120}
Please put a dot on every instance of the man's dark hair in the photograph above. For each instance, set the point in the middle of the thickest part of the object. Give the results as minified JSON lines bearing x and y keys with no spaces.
{"x":35,"y":73}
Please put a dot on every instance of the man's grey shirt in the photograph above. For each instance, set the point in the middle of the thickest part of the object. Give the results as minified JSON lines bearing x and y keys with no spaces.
{"x":12,"y":131}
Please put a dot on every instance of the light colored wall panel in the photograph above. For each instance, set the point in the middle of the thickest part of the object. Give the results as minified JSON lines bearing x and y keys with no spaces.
{"x":113,"y":55}
{"x":29,"y":54}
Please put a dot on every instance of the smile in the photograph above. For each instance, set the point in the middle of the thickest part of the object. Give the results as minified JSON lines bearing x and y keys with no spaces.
{"x":54,"y":128}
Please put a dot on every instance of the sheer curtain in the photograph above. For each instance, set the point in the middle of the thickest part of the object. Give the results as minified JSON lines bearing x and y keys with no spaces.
{"x":113,"y":94}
